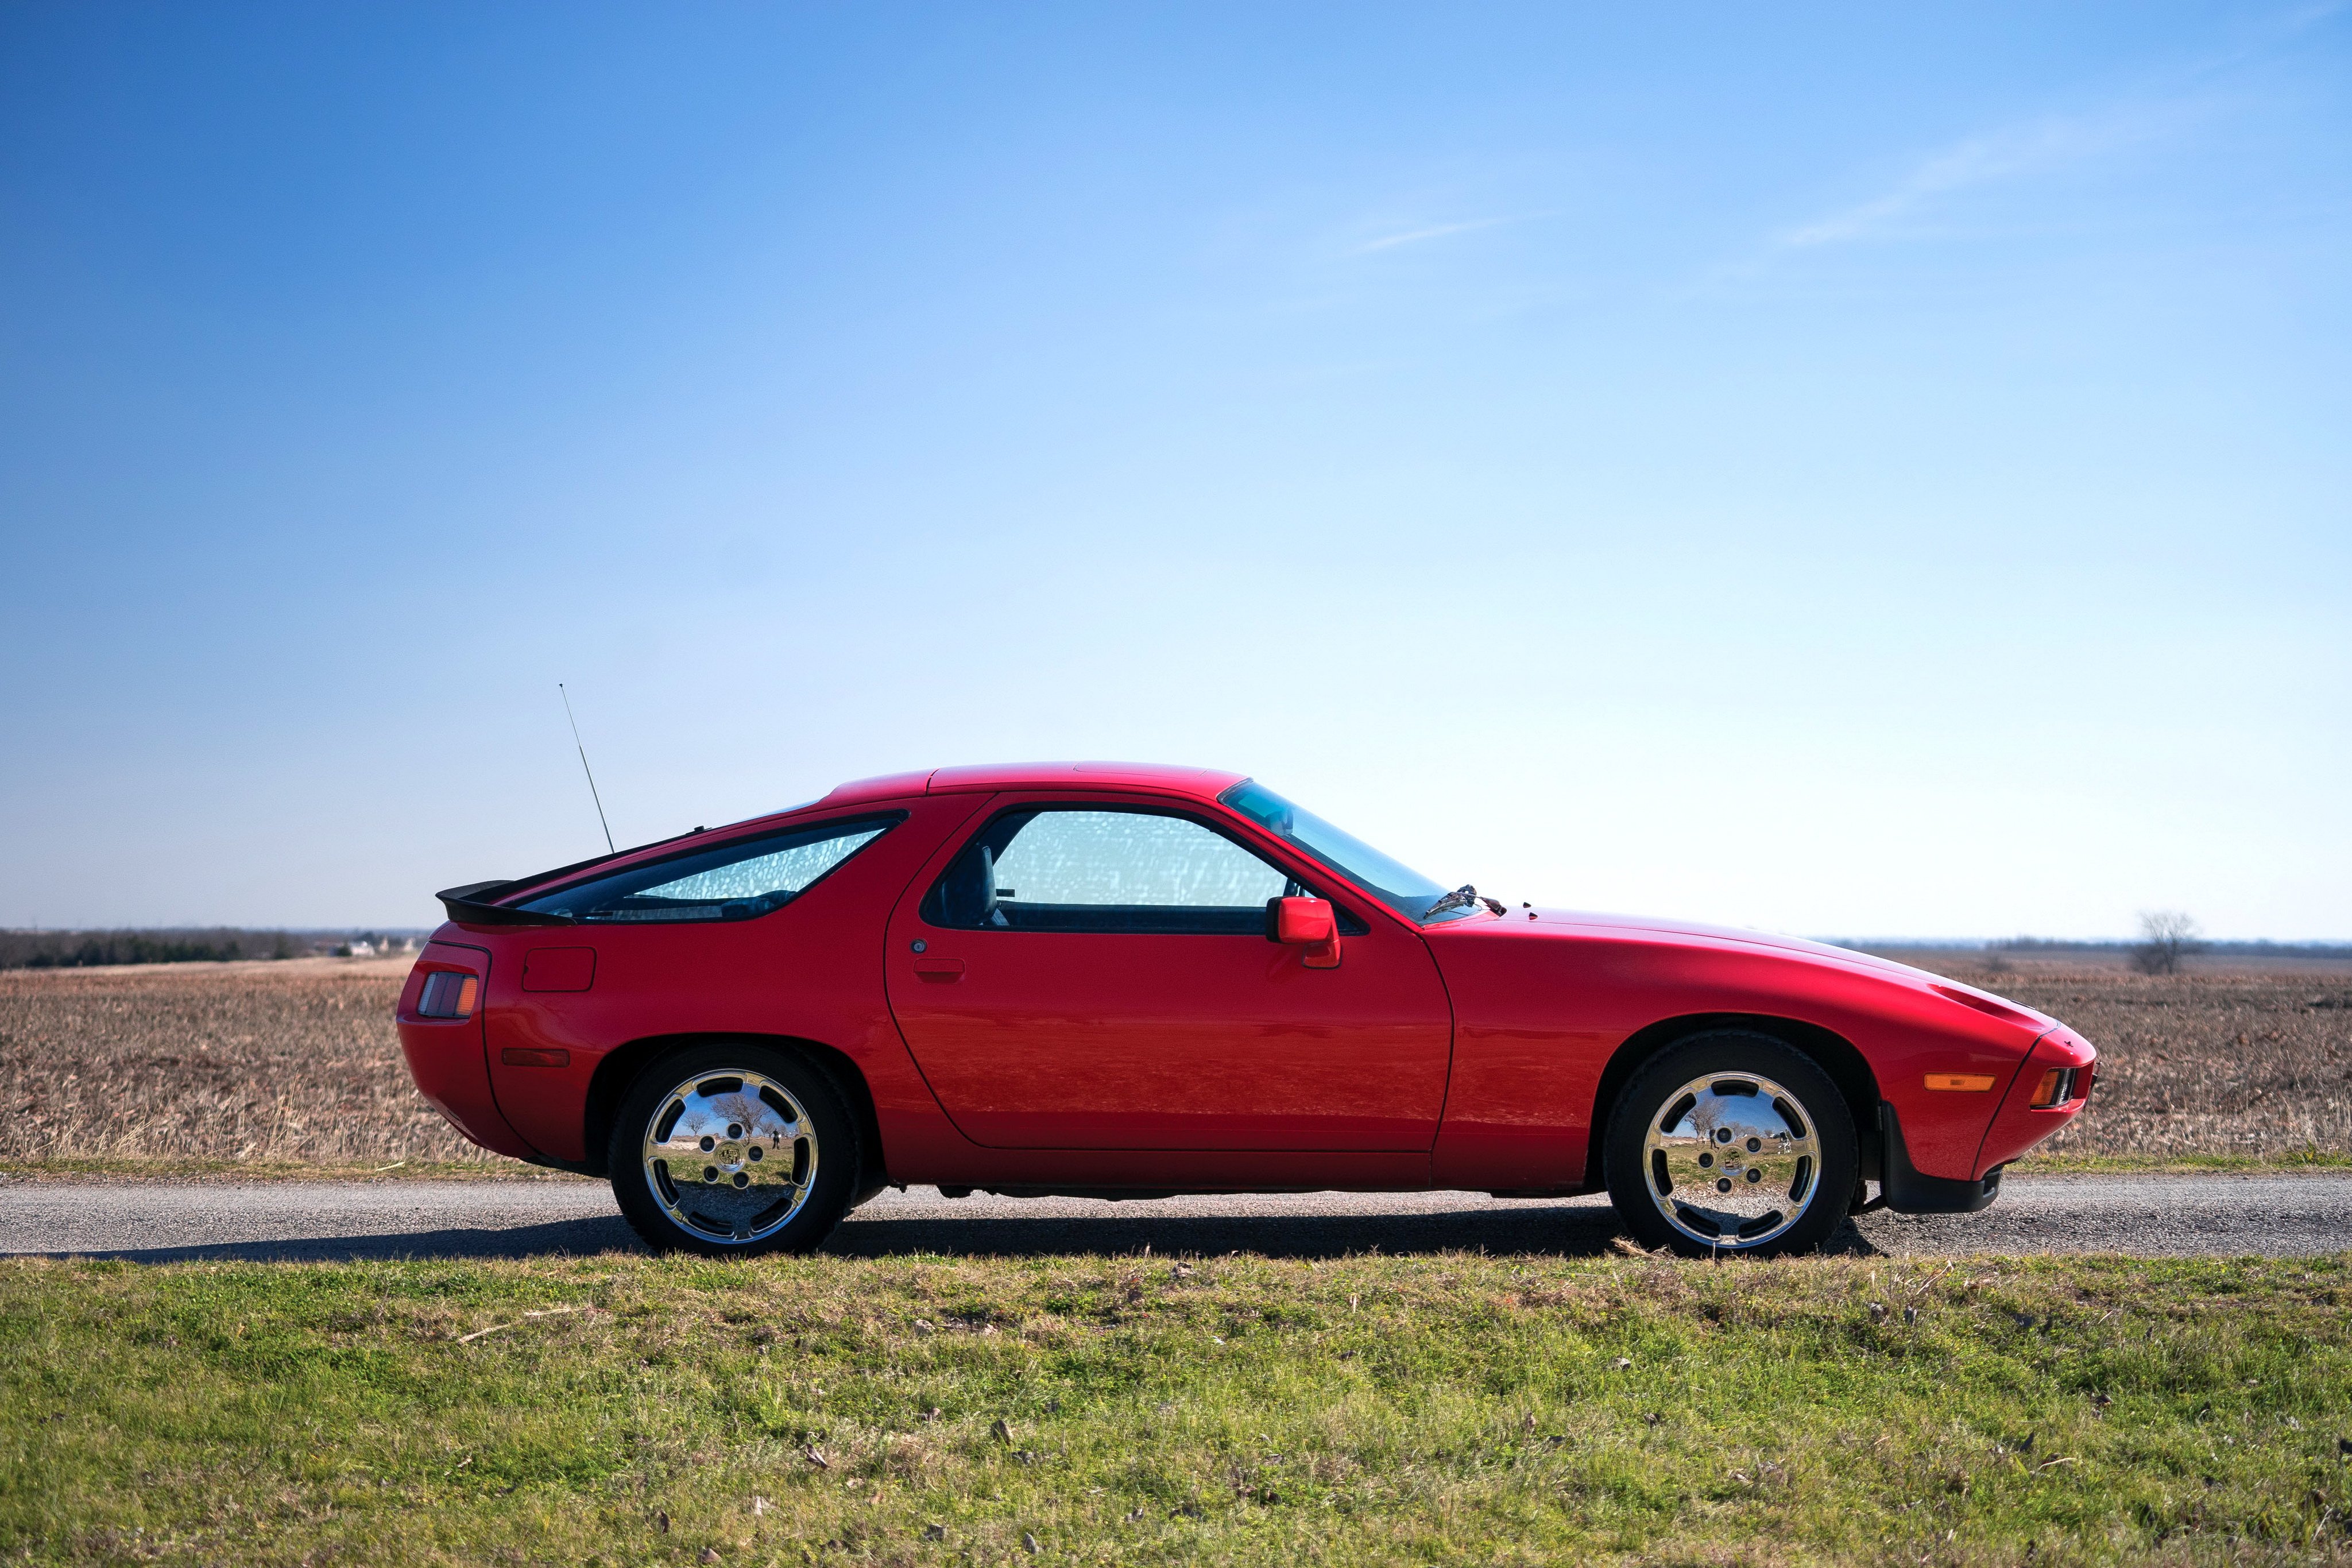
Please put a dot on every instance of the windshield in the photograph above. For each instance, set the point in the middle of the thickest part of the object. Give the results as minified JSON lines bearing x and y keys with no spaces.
{"x":1400,"y":887}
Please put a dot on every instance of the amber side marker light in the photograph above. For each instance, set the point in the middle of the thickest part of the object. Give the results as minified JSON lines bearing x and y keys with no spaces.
{"x":449,"y":994}
{"x":2057,"y":1087}
{"x":1960,"y":1083}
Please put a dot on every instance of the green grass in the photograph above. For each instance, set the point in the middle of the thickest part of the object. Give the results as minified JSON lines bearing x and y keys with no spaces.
{"x":1443,"y":1408}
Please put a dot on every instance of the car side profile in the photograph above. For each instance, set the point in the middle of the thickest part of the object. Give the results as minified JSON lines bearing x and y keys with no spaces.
{"x":1128,"y":980}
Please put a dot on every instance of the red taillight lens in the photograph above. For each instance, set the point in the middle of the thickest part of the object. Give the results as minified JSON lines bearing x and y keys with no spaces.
{"x":2057,"y":1087}
{"x":448,"y":994}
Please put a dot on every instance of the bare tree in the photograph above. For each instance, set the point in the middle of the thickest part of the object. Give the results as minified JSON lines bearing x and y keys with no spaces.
{"x":2165,"y":937}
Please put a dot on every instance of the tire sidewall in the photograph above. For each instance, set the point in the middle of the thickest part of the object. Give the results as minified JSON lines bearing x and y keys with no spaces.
{"x":1730,"y":1053}
{"x":839,"y":1154}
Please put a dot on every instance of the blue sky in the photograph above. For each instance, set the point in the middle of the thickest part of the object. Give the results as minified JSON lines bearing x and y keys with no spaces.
{"x":1852,"y":470}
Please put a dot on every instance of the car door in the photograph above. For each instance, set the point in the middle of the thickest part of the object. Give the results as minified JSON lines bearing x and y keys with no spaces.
{"x":1093,"y":973}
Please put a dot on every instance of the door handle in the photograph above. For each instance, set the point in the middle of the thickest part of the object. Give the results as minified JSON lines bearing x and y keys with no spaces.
{"x":940,"y":971}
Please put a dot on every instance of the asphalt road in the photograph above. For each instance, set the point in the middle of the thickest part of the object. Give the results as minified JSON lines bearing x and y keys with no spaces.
{"x":161,"y":1222}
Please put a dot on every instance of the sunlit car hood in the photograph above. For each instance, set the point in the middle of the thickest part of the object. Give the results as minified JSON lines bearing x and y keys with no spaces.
{"x":1647,"y":924}
{"x":1575,"y":923}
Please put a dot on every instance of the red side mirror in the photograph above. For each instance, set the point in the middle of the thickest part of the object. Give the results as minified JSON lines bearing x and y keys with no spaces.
{"x":1311,"y":924}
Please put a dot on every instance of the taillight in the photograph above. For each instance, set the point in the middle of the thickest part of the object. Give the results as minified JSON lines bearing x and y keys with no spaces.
{"x":2057,"y":1087}
{"x":449,"y":994}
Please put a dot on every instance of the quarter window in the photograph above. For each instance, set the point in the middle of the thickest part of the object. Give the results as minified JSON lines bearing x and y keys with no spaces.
{"x":734,"y":882}
{"x":1074,"y":869}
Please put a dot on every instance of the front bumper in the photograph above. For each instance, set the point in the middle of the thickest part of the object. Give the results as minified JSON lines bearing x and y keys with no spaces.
{"x":2017,"y":1125}
{"x":1902,"y":1188}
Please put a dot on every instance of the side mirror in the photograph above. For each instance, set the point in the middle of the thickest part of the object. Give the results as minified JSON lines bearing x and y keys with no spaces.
{"x":1311,"y":924}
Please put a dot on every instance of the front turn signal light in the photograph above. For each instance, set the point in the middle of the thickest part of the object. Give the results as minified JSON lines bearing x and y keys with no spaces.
{"x":1960,"y":1083}
{"x":2057,"y":1087}
{"x":449,"y":994}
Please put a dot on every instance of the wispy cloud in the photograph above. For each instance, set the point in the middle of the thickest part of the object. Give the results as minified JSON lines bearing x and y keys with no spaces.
{"x":2025,"y":149}
{"x":1440,"y":231}
{"x":1978,"y":162}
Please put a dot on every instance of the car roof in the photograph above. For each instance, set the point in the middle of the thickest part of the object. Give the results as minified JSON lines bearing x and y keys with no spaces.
{"x":1198,"y":783}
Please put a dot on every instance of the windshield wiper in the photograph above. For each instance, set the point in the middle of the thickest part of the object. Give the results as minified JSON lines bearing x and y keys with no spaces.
{"x":1462,"y":898}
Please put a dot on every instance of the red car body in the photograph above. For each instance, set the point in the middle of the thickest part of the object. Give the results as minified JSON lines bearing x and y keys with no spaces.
{"x":1478,"y":1053}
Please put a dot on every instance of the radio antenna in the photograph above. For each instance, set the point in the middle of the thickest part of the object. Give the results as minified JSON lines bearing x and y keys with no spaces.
{"x":585,"y":768}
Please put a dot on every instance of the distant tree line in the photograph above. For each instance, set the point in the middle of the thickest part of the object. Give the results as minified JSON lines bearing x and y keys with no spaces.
{"x":92,"y":950}
{"x":2157,"y":946}
{"x":2224,"y":950}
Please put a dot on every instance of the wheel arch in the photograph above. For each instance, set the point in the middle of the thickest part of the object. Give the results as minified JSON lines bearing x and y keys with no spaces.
{"x":620,"y":1067}
{"x":1857,"y":1084}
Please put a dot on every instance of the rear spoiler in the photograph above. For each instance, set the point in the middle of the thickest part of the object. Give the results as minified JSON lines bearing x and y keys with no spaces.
{"x":468,"y":905}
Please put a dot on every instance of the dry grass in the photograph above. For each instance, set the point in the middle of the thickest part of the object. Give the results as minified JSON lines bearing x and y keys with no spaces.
{"x":292,"y":1062}
{"x":296,"y":1063}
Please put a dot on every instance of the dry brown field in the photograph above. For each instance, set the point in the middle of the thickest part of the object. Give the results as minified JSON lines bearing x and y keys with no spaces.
{"x":296,"y":1063}
{"x":292,"y":1062}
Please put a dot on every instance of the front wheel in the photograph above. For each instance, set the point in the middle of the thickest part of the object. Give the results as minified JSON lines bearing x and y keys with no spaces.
{"x":734,"y":1150}
{"x":1731,"y":1142}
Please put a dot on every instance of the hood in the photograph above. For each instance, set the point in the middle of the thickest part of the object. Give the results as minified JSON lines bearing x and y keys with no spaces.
{"x":1554,"y":923}
{"x":1651,"y":926}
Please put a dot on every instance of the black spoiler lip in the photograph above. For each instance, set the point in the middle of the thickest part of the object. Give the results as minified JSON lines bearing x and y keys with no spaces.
{"x":468,"y":905}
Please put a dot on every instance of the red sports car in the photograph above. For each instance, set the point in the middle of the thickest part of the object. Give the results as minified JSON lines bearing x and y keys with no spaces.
{"x":1134,"y":981}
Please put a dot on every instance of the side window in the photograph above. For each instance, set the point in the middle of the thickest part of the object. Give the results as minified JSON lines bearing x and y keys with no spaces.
{"x":734,"y":882}
{"x":1073,"y":868}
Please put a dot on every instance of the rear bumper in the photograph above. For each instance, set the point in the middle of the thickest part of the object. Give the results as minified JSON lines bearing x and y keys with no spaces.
{"x":448,"y":1058}
{"x":1907,"y":1191}
{"x":446,"y":1063}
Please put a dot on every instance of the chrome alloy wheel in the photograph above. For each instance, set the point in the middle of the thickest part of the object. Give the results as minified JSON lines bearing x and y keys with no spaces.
{"x":1732,"y":1160}
{"x":731,"y":1155}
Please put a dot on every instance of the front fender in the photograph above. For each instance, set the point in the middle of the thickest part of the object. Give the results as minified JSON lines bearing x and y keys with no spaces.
{"x":1543,"y":1013}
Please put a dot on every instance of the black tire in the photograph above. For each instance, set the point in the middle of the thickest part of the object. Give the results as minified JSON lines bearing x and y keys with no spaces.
{"x":1723,"y":1175}
{"x":784,"y":1153}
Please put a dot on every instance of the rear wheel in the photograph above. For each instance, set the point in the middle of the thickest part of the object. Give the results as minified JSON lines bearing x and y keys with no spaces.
{"x":1731,"y":1142}
{"x":734,"y":1150}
